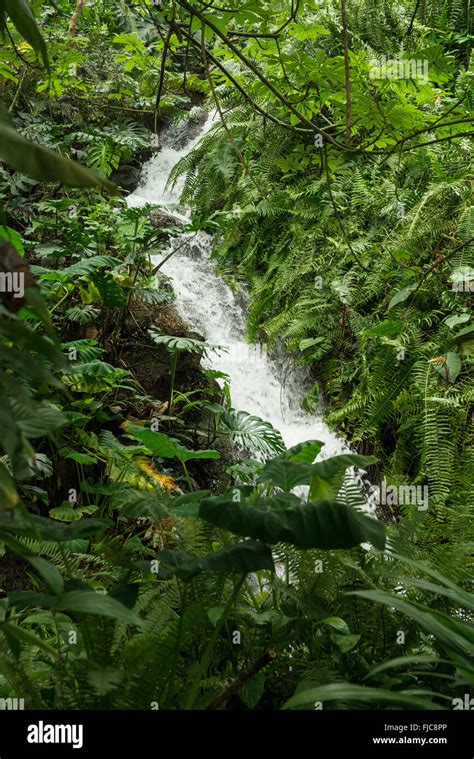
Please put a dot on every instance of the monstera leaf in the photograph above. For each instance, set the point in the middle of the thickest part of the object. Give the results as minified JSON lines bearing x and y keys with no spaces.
{"x":175,"y":344}
{"x":251,"y":433}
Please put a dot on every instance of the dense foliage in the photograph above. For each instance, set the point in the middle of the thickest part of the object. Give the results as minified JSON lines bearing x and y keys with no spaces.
{"x":159,"y":548}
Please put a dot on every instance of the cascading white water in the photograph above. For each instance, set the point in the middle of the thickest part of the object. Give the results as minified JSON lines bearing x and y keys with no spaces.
{"x":258,"y":384}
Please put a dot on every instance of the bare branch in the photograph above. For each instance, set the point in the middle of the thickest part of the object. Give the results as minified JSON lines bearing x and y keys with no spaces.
{"x":347,"y":71}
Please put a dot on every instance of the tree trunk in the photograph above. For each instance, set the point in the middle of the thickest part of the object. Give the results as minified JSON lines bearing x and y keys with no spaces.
{"x":71,"y":30}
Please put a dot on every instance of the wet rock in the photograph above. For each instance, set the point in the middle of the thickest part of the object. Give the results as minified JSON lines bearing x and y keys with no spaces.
{"x":161,"y":219}
{"x":190,"y":129}
{"x":129,"y":174}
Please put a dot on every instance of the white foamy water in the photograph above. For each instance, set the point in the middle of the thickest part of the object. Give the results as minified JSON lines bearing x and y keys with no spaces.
{"x":258,"y":384}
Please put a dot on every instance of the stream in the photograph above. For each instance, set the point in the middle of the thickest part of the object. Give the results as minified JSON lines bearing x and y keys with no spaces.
{"x":259,"y":384}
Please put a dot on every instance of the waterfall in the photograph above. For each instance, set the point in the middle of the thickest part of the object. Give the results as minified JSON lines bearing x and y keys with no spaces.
{"x":259,"y":384}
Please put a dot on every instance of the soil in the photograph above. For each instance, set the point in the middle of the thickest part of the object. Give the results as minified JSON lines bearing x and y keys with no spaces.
{"x":13,"y":574}
{"x":150,"y":366}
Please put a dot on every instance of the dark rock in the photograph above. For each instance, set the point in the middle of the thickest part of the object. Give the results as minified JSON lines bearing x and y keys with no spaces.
{"x":161,"y":219}
{"x":188,"y":130}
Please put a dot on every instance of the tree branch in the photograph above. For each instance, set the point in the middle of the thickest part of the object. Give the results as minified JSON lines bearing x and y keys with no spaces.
{"x":412,"y":20}
{"x":217,"y":101}
{"x":441,"y":139}
{"x":162,"y":74}
{"x":347,"y":71}
{"x":287,"y":103}
{"x":247,"y":675}
{"x":238,"y":86}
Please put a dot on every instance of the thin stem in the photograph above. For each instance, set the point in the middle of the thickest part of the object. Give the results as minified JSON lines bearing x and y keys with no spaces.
{"x":206,"y":659}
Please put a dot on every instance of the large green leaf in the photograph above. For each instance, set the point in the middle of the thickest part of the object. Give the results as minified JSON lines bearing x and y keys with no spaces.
{"x":346,"y":692}
{"x":455,"y":636}
{"x":90,"y":265}
{"x":22,"y":17}
{"x":14,"y":238}
{"x":251,"y":433}
{"x":47,"y":418}
{"x":305,"y":452}
{"x":286,"y":474}
{"x":89,"y":602}
{"x":401,"y":296}
{"x":175,"y":344}
{"x":50,"y":573}
{"x":9,"y":497}
{"x":387,"y":328}
{"x":325,"y":524}
{"x":249,"y":556}
{"x":252,"y":691}
{"x":295,"y":467}
{"x":328,"y":476}
{"x":450,"y":367}
{"x":166,"y":447}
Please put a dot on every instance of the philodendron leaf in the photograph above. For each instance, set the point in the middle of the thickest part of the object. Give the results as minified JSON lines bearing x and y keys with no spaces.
{"x":328,"y":476}
{"x":345,"y":643}
{"x":166,"y":447}
{"x":252,"y":691}
{"x":339,"y":624}
{"x":310,"y":342}
{"x":292,"y":468}
{"x":14,"y":238}
{"x":305,"y":452}
{"x":450,"y":367}
{"x":401,"y":296}
{"x":81,"y":458}
{"x":286,"y":474}
{"x":90,"y":602}
{"x":245,"y":557}
{"x":184,"y":454}
{"x":346,"y":692}
{"x":456,"y":319}
{"x":387,"y":328}
{"x":157,"y":442}
{"x":325,"y":524}
{"x":49,"y":572}
{"x":66,"y":513}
